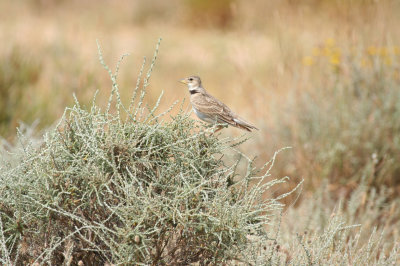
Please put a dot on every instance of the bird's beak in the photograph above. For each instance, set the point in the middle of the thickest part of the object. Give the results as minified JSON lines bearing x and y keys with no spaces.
{"x":183,"y":81}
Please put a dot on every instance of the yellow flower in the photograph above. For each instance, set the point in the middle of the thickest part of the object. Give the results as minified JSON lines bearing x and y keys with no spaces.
{"x":330,"y":42}
{"x":308,"y":61}
{"x":335,"y":59}
{"x":372,"y":50}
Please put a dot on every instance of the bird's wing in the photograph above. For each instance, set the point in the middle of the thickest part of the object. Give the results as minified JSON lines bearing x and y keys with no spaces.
{"x":209,"y":105}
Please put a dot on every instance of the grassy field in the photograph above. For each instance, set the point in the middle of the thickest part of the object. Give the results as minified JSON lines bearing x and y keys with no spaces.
{"x":322,"y":77}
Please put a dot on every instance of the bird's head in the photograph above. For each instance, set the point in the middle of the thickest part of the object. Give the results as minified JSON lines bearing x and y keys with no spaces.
{"x":193,"y":82}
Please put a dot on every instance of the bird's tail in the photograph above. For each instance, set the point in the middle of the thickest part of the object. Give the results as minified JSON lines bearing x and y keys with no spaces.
{"x":240,"y":123}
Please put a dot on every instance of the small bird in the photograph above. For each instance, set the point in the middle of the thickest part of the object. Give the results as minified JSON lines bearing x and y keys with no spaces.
{"x":210,"y":109}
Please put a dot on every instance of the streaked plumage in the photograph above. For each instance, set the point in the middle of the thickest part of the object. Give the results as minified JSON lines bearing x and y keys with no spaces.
{"x":210,"y":109}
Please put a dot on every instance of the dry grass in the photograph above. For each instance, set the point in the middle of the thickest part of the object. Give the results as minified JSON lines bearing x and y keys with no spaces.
{"x":258,"y":58}
{"x":291,"y":68}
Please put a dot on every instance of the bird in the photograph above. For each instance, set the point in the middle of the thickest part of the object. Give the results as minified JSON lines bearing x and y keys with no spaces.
{"x":210,"y":109}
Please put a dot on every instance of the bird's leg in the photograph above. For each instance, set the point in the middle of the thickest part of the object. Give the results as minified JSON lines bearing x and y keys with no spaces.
{"x":218,"y":129}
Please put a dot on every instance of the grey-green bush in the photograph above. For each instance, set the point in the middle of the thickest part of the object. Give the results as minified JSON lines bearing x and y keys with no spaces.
{"x":120,"y":185}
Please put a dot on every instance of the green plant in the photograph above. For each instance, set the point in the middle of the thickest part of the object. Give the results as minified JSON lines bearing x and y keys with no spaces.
{"x":342,"y":127}
{"x":122,"y":186}
{"x":17,"y":74}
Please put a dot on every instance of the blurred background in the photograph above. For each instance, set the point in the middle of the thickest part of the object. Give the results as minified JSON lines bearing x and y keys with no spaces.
{"x":321,"y":76}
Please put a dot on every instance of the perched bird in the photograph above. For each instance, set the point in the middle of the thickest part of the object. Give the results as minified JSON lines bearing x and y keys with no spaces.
{"x":210,"y":109}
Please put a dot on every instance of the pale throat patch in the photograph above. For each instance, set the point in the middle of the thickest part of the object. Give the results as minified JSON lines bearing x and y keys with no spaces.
{"x":192,"y":87}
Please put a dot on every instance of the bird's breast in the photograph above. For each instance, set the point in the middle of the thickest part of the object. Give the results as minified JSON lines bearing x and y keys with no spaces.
{"x":205,"y":117}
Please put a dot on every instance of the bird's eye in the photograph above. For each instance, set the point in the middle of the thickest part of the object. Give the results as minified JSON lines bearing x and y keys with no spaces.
{"x":190,"y":79}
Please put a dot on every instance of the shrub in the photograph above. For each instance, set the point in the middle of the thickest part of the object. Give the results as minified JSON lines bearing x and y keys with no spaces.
{"x":122,"y":186}
{"x":343,"y":125}
{"x":362,"y":230}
